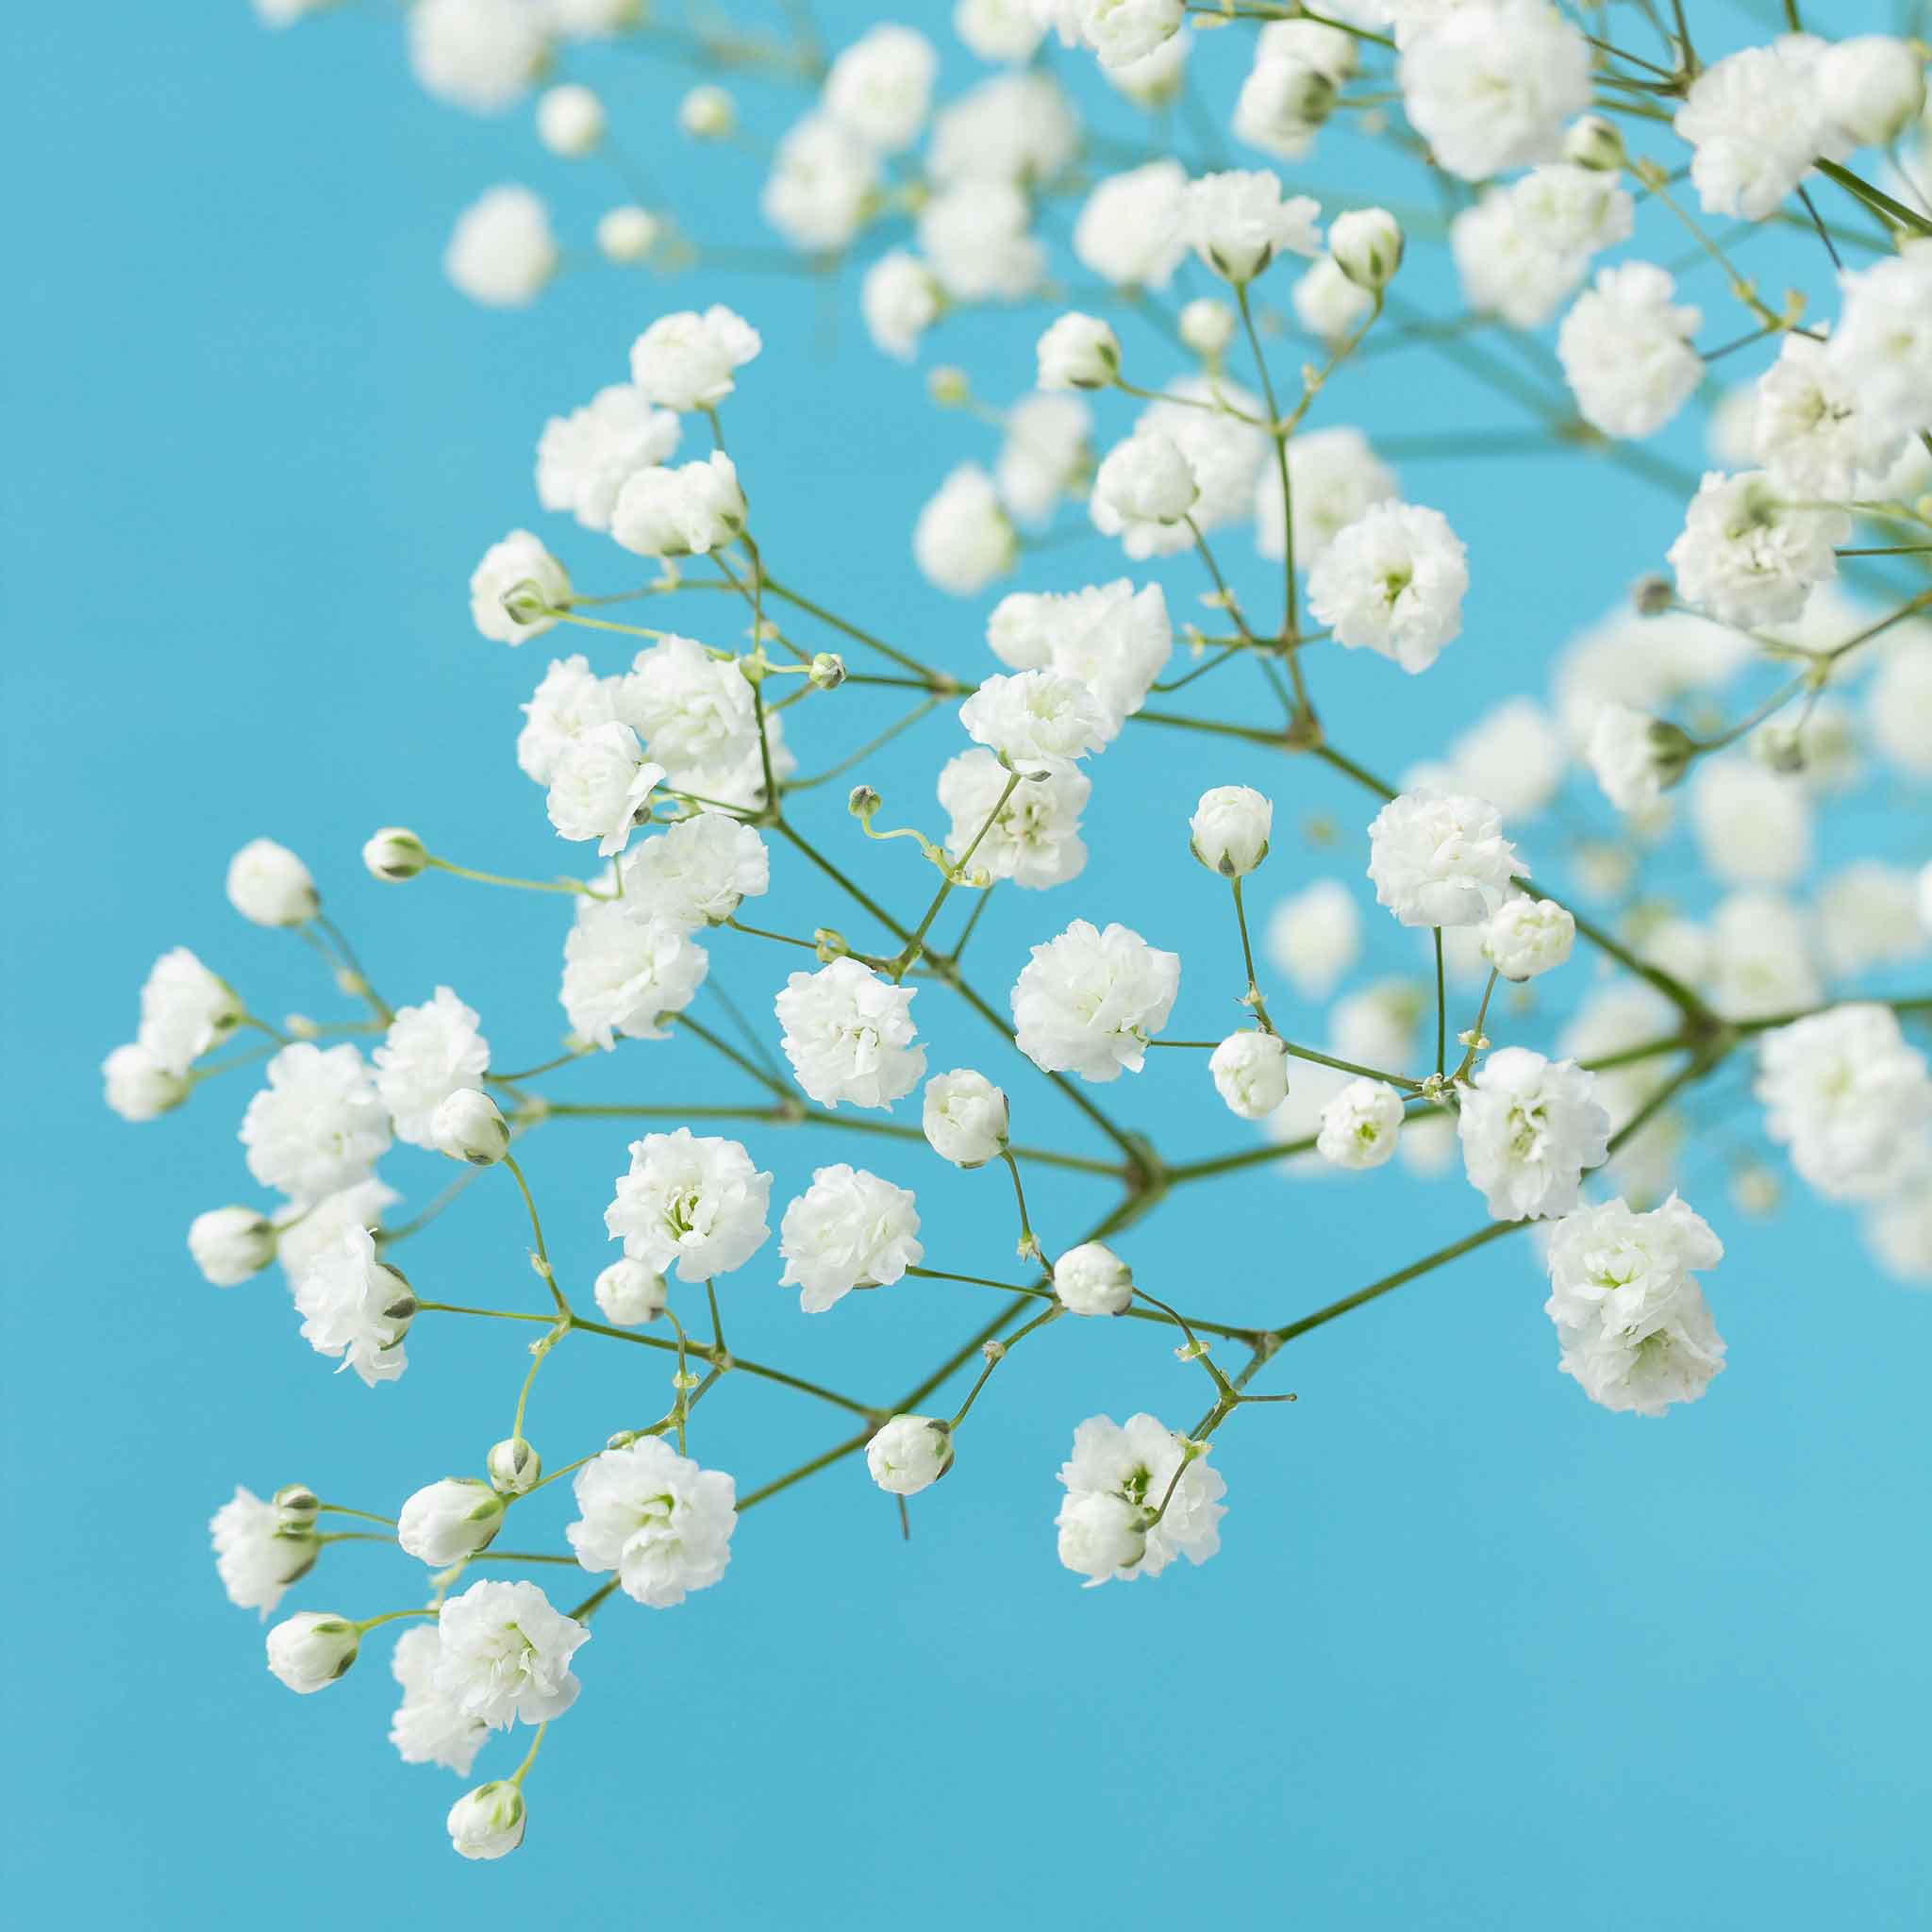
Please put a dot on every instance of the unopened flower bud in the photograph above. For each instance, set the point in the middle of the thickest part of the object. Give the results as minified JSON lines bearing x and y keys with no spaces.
{"x":708,"y":113}
{"x":296,"y":1507}
{"x":1078,"y":352}
{"x":629,"y":1293}
{"x":626,"y":234}
{"x":1249,"y":1073}
{"x":862,"y":801}
{"x":1594,"y":142}
{"x":1230,"y":828}
{"x":487,"y":1823}
{"x":395,"y":854}
{"x":467,"y":1125}
{"x":312,"y":1649}
{"x":910,"y":1453}
{"x":964,"y":1118}
{"x":230,"y":1244}
{"x":570,"y":120}
{"x":1781,"y":747}
{"x":1872,"y":86}
{"x":267,"y":884}
{"x":827,"y":670}
{"x":1092,"y":1280}
{"x":449,"y":1521}
{"x":1651,"y":597}
{"x":1207,"y":326}
{"x":1366,"y":244}
{"x":514,"y":1466}
{"x":138,"y":1087}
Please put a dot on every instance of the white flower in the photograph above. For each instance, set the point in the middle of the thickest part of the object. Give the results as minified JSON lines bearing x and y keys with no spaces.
{"x":1366,"y":245}
{"x":318,"y":1127}
{"x":1092,"y":1280}
{"x":1524,"y":937}
{"x":469,"y":1126}
{"x":1249,"y":1073}
{"x":976,"y":235}
{"x":1626,"y":352}
{"x":1228,"y":832}
{"x":1044,"y":455}
{"x":1530,"y":1127}
{"x":1874,"y":87}
{"x":629,"y":1293}
{"x":1753,"y":826}
{"x":964,"y":1117}
{"x":1111,"y":638}
{"x":1749,"y":557}
{"x":512,"y":588}
{"x":139,"y":1088}
{"x":570,"y":120}
{"x":997,"y":29}
{"x":585,"y":459}
{"x":1898,"y":705}
{"x":1289,"y":91}
{"x":627,"y":234}
{"x":184,"y":1011}
{"x":822,"y":186}
{"x":258,"y":1553}
{"x":1758,"y":120}
{"x":695,"y":713}
{"x":1216,"y":425}
{"x":1088,"y":1001}
{"x":849,"y":1229}
{"x":1882,"y":346}
{"x":900,"y":299}
{"x":1034,"y":836}
{"x":708,"y":113}
{"x":1315,"y":937}
{"x":696,"y":872}
{"x":1807,"y":429}
{"x":1206,"y":326}
{"x":880,"y":86}
{"x":698,"y":1202}
{"x":312,"y":1649}
{"x":685,"y":362}
{"x":1489,"y":85}
{"x":694,"y":508}
{"x":429,"y":1053}
{"x":909,"y":1454}
{"x":962,"y":539}
{"x":355,"y":1309}
{"x":1236,"y":222}
{"x":849,"y":1035}
{"x":1635,"y":757}
{"x":1360,"y":1124}
{"x":1035,"y":719}
{"x":1392,"y":581}
{"x":1847,"y":1094}
{"x":230,"y":1244}
{"x":1130,"y":1469}
{"x":1868,"y":915}
{"x":1758,"y":956}
{"x":481,"y":55}
{"x":1078,"y":352}
{"x":449,"y":1521}
{"x":1630,"y":1315}
{"x":488,"y":1822}
{"x":1440,"y":860}
{"x":505,"y":1654}
{"x":1131,"y":230}
{"x":1142,"y":490}
{"x":1121,"y":31}
{"x":623,"y":974}
{"x":269,"y":884}
{"x":310,"y":1231}
{"x":426,"y":1729}
{"x":501,"y":250}
{"x":1327,"y":305}
{"x":1525,"y":247}
{"x":656,"y":1518}
{"x":601,"y":786}
{"x":1334,"y":478}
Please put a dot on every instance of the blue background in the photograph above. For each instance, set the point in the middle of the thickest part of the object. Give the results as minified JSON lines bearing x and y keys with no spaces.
{"x":1475,"y":1653}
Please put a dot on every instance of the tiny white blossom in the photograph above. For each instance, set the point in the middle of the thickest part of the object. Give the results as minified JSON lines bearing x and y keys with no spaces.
{"x":230,"y":1244}
{"x":601,"y":786}
{"x":1249,"y":1073}
{"x":964,"y":1117}
{"x":849,"y":1229}
{"x":1524,"y":937}
{"x":270,"y":886}
{"x":258,"y":1553}
{"x":627,"y":973}
{"x":1750,"y":557}
{"x":1393,"y":581}
{"x":685,"y":362}
{"x":698,"y":1202}
{"x":1758,"y":122}
{"x":663,"y":1523}
{"x":447,"y":1521}
{"x":880,"y":86}
{"x":1092,"y":1280}
{"x":1143,"y":492}
{"x":1035,"y":720}
{"x":1130,"y":230}
{"x":355,"y":1309}
{"x":1530,"y":1127}
{"x":629,"y":1294}
{"x":1315,"y":937}
{"x":1118,"y":1477}
{"x":963,"y":539}
{"x":308,"y":1651}
{"x":1360,"y":1124}
{"x":849,"y":1035}
{"x":1440,"y":860}
{"x":318,"y":1127}
{"x":429,"y":1053}
{"x":1078,"y":352}
{"x":501,"y":253}
{"x":1089,"y":1000}
{"x":426,"y":1729}
{"x":504,"y":1657}
{"x":1030,"y":835}
{"x":585,"y":459}
{"x":488,"y":1822}
{"x":900,"y":299}
{"x":139,"y":1088}
{"x":185,"y":1010}
{"x":909,"y":1454}
{"x":1229,"y":831}
{"x":1236,"y":222}
{"x":1626,"y":351}
{"x":479,"y":55}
